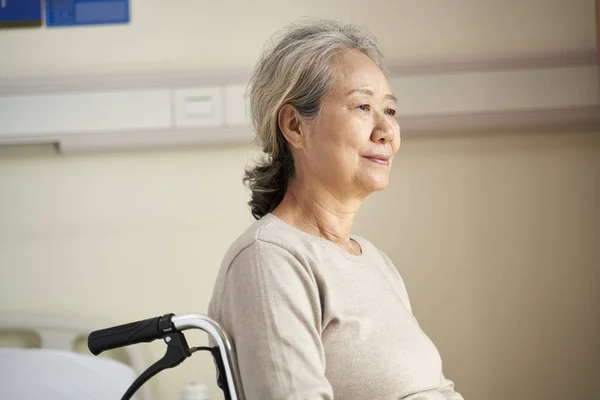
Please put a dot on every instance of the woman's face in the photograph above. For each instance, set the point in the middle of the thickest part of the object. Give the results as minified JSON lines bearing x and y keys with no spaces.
{"x":350,"y":146}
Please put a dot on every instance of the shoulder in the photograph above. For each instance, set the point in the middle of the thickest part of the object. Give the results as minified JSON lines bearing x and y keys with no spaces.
{"x":266,"y":257}
{"x":264,"y":237}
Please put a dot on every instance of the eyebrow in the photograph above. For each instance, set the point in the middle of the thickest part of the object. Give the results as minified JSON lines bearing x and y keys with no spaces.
{"x":371,"y":93}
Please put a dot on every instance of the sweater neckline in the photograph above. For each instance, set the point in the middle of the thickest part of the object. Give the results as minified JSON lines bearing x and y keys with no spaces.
{"x":353,"y":237}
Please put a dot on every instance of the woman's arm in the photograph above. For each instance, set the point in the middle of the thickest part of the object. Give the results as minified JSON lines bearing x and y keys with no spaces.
{"x":270,"y":306}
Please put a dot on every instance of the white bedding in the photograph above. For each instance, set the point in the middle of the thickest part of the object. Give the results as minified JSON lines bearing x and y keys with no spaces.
{"x":46,"y":374}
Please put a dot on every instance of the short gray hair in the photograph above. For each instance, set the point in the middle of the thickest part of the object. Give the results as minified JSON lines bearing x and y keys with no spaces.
{"x":295,"y":69}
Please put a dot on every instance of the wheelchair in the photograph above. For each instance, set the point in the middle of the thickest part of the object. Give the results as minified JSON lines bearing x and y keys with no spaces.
{"x":169,"y":327}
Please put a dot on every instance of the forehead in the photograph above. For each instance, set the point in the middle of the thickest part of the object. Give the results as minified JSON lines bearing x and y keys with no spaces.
{"x":353,"y":70}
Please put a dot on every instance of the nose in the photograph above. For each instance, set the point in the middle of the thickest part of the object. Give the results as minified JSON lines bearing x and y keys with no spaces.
{"x":383,"y":131}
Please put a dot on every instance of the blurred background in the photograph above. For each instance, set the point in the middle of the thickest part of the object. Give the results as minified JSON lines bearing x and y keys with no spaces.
{"x":492,"y":218}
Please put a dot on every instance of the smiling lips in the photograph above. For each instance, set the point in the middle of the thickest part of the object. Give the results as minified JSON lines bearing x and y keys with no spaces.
{"x":382,"y":159}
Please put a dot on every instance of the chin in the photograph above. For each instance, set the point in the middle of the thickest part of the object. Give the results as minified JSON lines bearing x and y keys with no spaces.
{"x":371,"y":181}
{"x":376,"y":184}
{"x":380,"y":187}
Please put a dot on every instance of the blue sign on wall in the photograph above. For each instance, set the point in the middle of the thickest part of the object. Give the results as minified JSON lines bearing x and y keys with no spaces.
{"x":20,"y":13}
{"x":86,"y":12}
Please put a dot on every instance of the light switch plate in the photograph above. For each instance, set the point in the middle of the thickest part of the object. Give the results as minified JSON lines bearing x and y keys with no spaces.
{"x":198,"y":107}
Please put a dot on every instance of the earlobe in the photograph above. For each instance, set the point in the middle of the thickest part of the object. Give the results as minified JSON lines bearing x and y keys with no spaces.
{"x":290,"y":125}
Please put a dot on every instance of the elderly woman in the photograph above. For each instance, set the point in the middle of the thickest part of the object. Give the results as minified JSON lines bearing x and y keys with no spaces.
{"x":314,"y":311}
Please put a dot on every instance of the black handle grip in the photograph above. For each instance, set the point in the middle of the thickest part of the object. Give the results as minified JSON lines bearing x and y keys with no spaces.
{"x":124,"y":335}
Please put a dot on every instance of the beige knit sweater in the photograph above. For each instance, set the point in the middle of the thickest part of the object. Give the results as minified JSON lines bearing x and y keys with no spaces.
{"x":311,"y":321}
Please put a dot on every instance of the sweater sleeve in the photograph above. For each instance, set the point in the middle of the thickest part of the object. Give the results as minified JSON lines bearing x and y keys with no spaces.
{"x":270,"y":306}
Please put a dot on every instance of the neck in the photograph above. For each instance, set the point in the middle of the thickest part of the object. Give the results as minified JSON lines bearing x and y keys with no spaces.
{"x":319,"y":211}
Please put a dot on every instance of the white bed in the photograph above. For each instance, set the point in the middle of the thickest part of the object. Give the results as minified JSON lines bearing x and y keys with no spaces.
{"x":55,"y":371}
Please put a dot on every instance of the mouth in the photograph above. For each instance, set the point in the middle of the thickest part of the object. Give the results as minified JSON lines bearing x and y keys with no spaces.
{"x":379,"y":159}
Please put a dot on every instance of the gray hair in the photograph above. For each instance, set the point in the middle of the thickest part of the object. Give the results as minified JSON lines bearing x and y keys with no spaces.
{"x":295,"y":70}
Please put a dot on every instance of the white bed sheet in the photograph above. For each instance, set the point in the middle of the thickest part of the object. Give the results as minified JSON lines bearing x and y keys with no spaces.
{"x":46,"y":374}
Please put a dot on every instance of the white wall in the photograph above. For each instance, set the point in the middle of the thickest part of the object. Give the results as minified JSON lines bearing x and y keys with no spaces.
{"x":186,"y":34}
{"x":497,"y":236}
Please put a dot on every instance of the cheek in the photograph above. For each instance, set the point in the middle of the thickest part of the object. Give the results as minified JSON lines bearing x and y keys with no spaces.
{"x":335,"y":160}
{"x":339,"y":160}
{"x":336,"y":145}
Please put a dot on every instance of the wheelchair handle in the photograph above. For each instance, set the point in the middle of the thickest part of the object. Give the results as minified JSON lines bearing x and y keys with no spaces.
{"x":124,"y":335}
{"x":169,"y":327}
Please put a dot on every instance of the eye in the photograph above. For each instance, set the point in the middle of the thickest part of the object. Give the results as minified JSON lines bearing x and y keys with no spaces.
{"x":364,"y":107}
{"x":390,"y":111}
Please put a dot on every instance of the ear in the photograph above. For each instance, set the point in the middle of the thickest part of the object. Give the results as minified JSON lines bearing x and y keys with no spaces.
{"x":290,"y":125}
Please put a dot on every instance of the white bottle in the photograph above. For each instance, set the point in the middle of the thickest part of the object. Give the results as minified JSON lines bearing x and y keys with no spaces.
{"x":194,"y":391}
